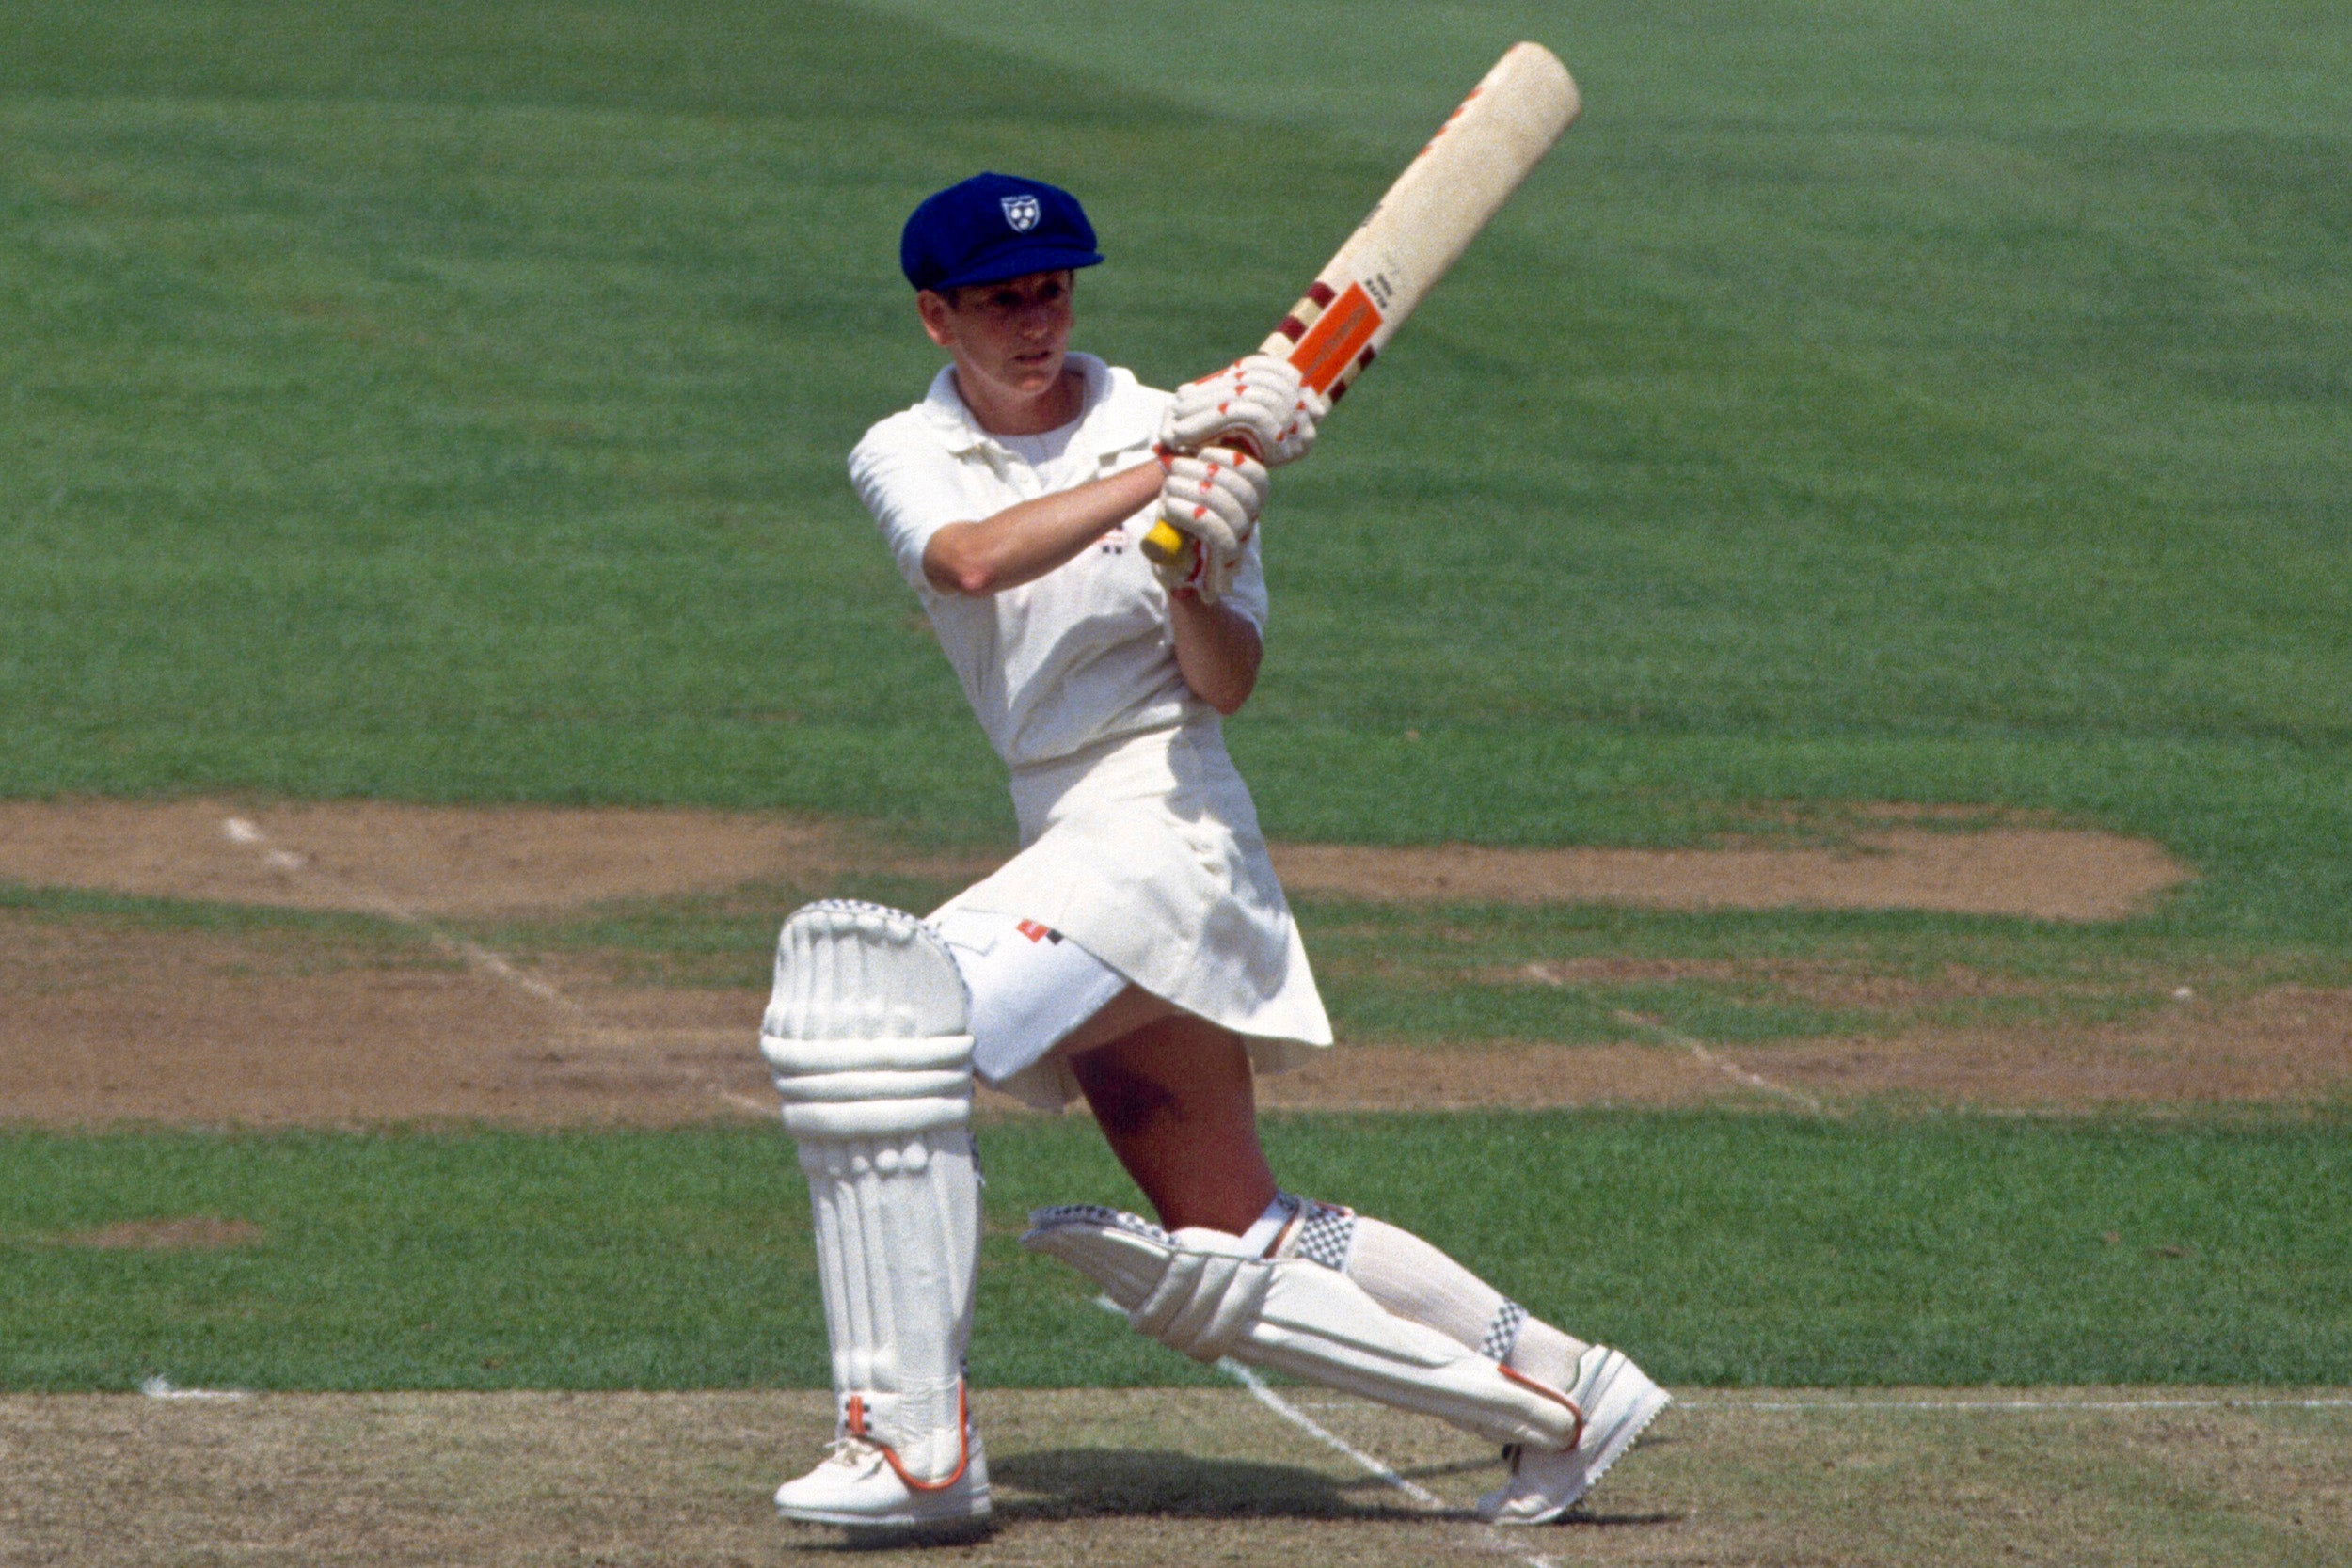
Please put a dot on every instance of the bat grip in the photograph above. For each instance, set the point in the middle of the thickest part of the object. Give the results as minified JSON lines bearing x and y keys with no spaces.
{"x":1165,"y":544}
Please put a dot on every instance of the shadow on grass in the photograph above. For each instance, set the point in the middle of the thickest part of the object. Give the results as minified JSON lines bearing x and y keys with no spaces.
{"x":1581,"y":1517}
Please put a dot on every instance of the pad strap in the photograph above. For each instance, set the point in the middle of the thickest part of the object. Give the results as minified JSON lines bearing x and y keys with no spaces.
{"x":859,"y":1420}
{"x":921,"y":1054}
{"x":872,"y":1089}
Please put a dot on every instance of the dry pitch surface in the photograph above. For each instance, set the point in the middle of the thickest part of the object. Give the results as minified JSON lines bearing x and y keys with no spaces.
{"x":268,"y":1029}
{"x":1176,"y":1477}
{"x":459,"y":859}
{"x":271,"y":1029}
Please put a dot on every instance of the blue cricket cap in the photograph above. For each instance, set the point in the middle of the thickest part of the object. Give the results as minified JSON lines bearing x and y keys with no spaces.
{"x":993,"y":227}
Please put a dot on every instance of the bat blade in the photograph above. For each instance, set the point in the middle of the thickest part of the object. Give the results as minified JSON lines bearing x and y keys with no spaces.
{"x":1455,"y":185}
{"x":1450,"y":191}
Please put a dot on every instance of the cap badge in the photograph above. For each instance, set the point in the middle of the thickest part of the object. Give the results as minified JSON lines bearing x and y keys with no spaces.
{"x":1021,"y":212}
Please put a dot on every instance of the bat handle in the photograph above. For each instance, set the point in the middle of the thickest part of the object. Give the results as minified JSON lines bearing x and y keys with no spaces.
{"x":1165,"y":544}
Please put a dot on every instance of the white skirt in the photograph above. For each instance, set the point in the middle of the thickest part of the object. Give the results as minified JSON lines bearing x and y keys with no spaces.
{"x":1145,"y":850}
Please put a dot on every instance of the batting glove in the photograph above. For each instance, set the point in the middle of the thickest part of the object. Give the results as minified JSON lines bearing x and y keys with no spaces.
{"x":1258,"y":405}
{"x":1213,"y":498}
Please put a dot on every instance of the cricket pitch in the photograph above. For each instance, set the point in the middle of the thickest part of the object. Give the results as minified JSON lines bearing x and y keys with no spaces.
{"x":1181,"y":1477}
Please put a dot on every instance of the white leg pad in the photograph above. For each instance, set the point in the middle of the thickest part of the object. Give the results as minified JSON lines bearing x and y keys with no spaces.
{"x":866,"y":1034}
{"x":1205,"y":1293}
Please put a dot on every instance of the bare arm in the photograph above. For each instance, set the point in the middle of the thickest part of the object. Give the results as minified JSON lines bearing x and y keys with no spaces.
{"x":1217,"y":650}
{"x":1023,"y":543}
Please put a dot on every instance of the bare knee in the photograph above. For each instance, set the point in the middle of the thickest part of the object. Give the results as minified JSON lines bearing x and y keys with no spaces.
{"x":1175,"y":1102}
{"x":1126,"y":1102}
{"x":1176,"y":1069}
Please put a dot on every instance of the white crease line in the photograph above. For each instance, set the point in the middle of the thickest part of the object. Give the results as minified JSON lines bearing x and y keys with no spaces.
{"x":240,"y":829}
{"x":162,"y":1388}
{"x":1724,"y":1065}
{"x":1372,"y":1463}
{"x":1490,"y":1539}
{"x":2070,"y":1406}
{"x":1754,"y":1079}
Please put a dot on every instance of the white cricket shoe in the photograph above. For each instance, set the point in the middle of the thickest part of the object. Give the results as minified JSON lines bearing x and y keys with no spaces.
{"x":1617,"y":1401}
{"x":857,"y":1486}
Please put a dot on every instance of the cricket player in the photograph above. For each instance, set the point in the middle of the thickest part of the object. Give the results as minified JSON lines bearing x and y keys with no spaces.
{"x":1137,"y":951}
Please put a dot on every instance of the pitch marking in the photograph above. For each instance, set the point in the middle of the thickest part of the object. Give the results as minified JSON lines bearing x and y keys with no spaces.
{"x":242,"y":830}
{"x":1698,"y":1051}
{"x":163,"y":1388}
{"x":1489,"y":1538}
{"x":1724,"y":1065}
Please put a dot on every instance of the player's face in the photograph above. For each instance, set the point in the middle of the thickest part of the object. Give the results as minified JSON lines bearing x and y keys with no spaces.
{"x":1012,"y":336}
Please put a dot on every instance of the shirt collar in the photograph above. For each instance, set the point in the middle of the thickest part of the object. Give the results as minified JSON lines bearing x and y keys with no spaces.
{"x":944,"y":408}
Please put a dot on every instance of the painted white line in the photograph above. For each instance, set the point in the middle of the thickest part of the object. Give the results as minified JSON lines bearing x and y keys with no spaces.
{"x":1369,"y":1464}
{"x":161,"y":1388}
{"x":490,"y":962}
{"x":1724,"y":1065}
{"x":1754,"y":1079}
{"x":1731,"y":1407}
{"x":242,"y":830}
{"x":1489,"y":1538}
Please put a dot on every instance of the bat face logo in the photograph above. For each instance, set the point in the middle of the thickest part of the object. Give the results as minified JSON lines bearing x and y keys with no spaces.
{"x":1021,"y":212}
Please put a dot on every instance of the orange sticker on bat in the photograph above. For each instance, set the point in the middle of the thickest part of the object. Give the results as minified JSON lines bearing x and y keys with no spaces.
{"x":1336,"y":337}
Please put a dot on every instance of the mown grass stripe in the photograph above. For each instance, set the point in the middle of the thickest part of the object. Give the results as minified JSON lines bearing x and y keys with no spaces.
{"x":1723,"y":1250}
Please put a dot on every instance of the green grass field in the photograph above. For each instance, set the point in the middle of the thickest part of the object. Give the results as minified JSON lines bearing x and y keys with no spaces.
{"x":1724,"y":1250}
{"x":1884,"y":400}
{"x":1898,"y":400}
{"x":1429,"y":977}
{"x":1460,"y":973}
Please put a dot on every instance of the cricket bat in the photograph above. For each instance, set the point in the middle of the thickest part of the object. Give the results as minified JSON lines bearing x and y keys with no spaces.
{"x":1418,"y":230}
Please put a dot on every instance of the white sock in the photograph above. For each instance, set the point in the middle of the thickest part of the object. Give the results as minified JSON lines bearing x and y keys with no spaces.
{"x":1415,"y":1281}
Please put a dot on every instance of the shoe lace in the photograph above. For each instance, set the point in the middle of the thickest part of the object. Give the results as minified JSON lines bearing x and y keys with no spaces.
{"x":853,"y":1452}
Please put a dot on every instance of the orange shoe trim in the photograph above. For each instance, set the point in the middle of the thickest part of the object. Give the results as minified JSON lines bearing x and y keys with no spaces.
{"x":855,"y":1421}
{"x":1550,"y":1393}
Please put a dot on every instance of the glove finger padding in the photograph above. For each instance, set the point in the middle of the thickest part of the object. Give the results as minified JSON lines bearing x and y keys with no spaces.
{"x":1259,"y":403}
{"x":1209,"y":502}
{"x":1203,"y":413}
{"x":1215,"y":499}
{"x":1298,"y":407}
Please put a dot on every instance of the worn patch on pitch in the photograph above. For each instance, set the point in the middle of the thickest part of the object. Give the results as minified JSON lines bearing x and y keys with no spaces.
{"x":455,"y":862}
{"x":475,"y":861}
{"x":109,"y":1021}
{"x":187,"y":1233}
{"x":1181,"y":1477}
{"x":2041,"y":872}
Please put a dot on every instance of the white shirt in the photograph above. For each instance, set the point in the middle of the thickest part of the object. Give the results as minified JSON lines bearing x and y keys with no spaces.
{"x":1082,"y":653}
